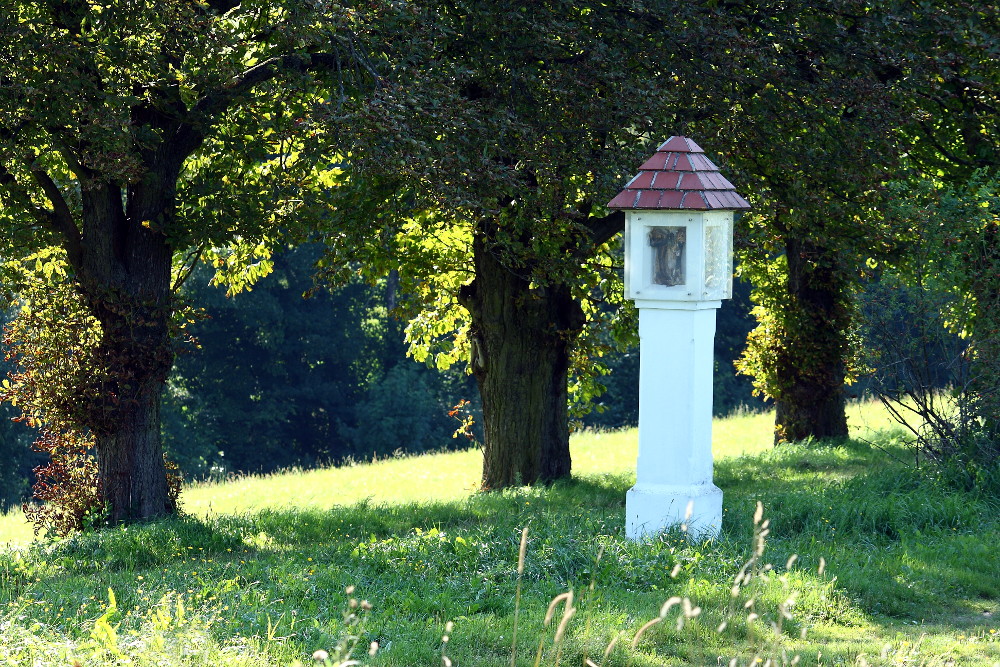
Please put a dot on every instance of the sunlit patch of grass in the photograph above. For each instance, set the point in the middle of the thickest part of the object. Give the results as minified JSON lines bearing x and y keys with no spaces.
{"x":166,"y":632}
{"x":453,"y":475}
{"x":14,"y":529}
{"x":448,"y":476}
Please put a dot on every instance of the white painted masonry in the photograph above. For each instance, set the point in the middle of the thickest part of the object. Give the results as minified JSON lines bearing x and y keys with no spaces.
{"x":676,"y":336}
{"x":674,"y":468}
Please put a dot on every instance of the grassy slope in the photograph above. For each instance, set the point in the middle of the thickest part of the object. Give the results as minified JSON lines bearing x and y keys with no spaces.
{"x":259,"y":569}
{"x":444,"y":477}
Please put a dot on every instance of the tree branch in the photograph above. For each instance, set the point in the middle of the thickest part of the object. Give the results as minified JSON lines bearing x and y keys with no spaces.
{"x":210,"y":107}
{"x":222,"y":99}
{"x":187,"y":268}
{"x":10,"y":133}
{"x":603,"y":229}
{"x":223,"y":6}
{"x":59,"y":219}
{"x":60,"y":209}
{"x":931,"y":137}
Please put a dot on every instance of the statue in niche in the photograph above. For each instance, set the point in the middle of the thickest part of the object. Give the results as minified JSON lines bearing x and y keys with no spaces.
{"x":668,"y":254}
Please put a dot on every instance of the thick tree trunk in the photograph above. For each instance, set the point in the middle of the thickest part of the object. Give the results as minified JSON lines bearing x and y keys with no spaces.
{"x":137,"y":352}
{"x":813,"y":360}
{"x":125,"y":275}
{"x":130,"y":465}
{"x":521,"y":338}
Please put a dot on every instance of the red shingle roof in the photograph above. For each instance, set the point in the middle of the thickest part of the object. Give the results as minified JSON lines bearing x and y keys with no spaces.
{"x":679,"y":176}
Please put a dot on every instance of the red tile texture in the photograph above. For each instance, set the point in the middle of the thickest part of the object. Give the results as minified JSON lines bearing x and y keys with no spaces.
{"x":683,"y":163}
{"x":672,"y":199}
{"x":694,"y":200}
{"x":658,"y":161}
{"x":666,"y":180}
{"x":679,"y":176}
{"x":643,"y":180}
{"x":649,"y":199}
{"x":625,"y":199}
{"x":674,"y":144}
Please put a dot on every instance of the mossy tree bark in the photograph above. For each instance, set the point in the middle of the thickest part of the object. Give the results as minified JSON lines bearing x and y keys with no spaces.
{"x":521,"y":336}
{"x":123,"y":270}
{"x":813,"y":359}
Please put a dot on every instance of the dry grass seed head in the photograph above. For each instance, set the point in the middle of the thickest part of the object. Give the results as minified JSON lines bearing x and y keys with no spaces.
{"x":522,"y":551}
{"x":567,"y":596}
{"x":611,"y":646}
{"x":665,"y":609}
{"x":567,"y":615}
{"x":642,"y":630}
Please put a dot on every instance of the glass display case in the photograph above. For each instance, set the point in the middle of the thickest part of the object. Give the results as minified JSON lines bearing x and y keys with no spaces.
{"x":679,"y":255}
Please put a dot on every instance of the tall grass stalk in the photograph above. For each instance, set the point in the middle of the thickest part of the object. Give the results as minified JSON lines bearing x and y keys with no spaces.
{"x":568,"y":611}
{"x":522,"y":551}
{"x":590,"y":595}
{"x":445,"y":660}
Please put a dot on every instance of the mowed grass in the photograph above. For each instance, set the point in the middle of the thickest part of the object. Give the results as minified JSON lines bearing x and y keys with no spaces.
{"x":892,"y":567}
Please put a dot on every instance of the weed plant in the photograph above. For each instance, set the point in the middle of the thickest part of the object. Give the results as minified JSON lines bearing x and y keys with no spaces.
{"x":874,"y":562}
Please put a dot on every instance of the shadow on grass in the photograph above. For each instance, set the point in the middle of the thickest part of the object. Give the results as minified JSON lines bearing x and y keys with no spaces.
{"x":901,"y":542}
{"x":589,"y":504}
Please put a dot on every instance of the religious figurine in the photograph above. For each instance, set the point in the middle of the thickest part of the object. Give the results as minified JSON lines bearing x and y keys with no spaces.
{"x":668,"y":258}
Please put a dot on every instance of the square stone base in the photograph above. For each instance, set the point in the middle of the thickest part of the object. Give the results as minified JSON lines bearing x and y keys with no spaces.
{"x":650,"y":509}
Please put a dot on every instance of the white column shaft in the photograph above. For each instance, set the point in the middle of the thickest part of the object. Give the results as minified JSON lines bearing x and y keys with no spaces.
{"x":675,"y":396}
{"x":674,"y":469}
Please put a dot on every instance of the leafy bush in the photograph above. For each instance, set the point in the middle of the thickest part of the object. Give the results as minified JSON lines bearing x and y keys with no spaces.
{"x":934,"y":332}
{"x":59,"y":383}
{"x":67,"y":486}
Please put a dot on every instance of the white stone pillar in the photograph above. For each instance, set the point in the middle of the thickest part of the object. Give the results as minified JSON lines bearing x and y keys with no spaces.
{"x":674,"y":471}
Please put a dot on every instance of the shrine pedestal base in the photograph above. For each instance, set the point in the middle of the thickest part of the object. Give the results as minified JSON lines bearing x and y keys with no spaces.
{"x":652,"y":508}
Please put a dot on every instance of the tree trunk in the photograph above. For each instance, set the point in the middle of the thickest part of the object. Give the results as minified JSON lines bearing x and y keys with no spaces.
{"x":521,"y":338}
{"x":813,"y":358}
{"x":133,"y":479}
{"x":125,"y":276}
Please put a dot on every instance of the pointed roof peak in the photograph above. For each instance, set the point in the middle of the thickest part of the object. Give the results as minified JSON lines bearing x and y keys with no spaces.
{"x":679,"y":177}
{"x":680,"y":145}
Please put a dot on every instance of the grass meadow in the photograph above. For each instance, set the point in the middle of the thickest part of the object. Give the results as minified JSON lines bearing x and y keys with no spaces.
{"x":868,"y":560}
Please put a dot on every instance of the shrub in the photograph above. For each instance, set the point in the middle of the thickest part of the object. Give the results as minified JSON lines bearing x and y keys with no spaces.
{"x":933,"y":331}
{"x":67,"y":485}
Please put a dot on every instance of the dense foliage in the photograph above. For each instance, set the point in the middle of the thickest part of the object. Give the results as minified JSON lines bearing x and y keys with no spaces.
{"x":814,"y":152}
{"x":466,"y":165}
{"x":945,"y":215}
{"x":492,"y":170}
{"x":276,"y":380}
{"x":934,"y":335}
